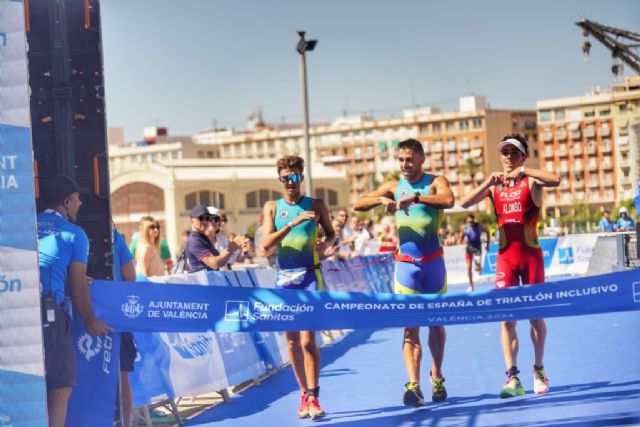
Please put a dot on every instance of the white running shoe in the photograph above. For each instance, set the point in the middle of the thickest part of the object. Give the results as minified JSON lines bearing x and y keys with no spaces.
{"x":540,"y":381}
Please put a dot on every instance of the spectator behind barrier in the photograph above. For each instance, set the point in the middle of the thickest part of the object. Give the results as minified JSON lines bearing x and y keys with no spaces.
{"x":147,"y":252}
{"x":625,"y":222}
{"x":200,"y":251}
{"x":606,"y":225}
{"x":165,"y":252}
{"x":63,"y":251}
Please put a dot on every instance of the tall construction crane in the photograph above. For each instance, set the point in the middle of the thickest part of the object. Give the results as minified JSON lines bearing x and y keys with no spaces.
{"x":621,"y":43}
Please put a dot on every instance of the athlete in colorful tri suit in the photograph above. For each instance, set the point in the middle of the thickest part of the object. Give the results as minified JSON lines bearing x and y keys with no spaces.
{"x":516,"y":194}
{"x":472,"y":233}
{"x":291,"y":225}
{"x":417,"y":200}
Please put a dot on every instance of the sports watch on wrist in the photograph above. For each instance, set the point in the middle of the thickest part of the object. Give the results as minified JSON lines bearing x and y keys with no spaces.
{"x":416,"y":197}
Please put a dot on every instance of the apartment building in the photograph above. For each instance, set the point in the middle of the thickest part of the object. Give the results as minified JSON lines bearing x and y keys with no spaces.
{"x":460,"y":145}
{"x":593,"y":142}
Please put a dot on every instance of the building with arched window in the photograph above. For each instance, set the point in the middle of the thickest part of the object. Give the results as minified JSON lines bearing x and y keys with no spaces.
{"x":168,"y":188}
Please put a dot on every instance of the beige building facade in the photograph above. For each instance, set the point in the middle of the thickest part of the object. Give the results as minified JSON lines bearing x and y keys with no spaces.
{"x":154,"y":180}
{"x":593,"y":142}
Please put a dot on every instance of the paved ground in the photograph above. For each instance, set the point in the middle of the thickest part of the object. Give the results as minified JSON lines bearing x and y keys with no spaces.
{"x":593,"y":363}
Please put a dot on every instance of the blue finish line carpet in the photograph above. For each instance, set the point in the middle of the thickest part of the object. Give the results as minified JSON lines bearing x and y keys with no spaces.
{"x":593,"y":363}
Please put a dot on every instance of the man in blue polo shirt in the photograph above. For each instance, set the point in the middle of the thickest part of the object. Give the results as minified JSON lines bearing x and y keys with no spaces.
{"x":606,"y":225}
{"x":199,"y":251}
{"x":63,"y":250}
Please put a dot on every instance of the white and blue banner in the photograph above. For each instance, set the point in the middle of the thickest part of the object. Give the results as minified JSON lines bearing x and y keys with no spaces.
{"x":22,"y":385}
{"x":180,"y":308}
{"x":186,"y":364}
{"x":572,"y":255}
{"x":98,"y":363}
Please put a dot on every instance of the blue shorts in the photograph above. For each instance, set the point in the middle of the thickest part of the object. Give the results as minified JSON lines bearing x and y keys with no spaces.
{"x":428,"y":277}
{"x":301,"y":279}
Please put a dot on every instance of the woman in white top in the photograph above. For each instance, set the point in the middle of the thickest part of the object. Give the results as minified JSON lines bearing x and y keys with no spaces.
{"x":148,"y":260}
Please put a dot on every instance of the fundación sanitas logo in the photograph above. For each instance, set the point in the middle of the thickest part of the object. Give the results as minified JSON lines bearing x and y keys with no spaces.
{"x":132,"y":308}
{"x":89,"y":346}
{"x":236,"y":311}
{"x":565,"y":255}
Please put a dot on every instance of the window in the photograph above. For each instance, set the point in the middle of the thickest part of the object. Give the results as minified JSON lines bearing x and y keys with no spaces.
{"x":477,"y":123}
{"x":545,"y":115}
{"x":605,"y":112}
{"x":464,"y":124}
{"x":330,"y":197}
{"x":559,"y":114}
{"x":204,"y":198}
{"x":257,"y":199}
{"x":436,"y":127}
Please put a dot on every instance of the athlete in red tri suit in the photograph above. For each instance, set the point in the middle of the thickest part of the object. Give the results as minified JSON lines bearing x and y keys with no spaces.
{"x":516,"y":194}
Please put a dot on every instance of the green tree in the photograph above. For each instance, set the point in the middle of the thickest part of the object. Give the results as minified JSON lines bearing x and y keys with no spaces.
{"x":471,"y":167}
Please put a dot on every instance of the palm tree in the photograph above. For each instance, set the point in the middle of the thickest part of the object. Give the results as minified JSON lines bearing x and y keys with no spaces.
{"x":471,"y":167}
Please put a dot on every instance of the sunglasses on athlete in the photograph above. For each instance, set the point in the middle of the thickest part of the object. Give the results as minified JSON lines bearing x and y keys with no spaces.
{"x":294,"y":178}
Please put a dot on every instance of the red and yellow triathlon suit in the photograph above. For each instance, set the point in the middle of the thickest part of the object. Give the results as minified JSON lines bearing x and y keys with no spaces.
{"x":519,"y":255}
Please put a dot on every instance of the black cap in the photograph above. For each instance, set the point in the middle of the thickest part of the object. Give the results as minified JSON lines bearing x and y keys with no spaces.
{"x":56,"y":188}
{"x":197,"y":211}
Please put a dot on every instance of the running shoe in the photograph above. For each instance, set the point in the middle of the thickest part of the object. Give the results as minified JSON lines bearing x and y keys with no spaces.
{"x":438,"y":392}
{"x":513,"y":387}
{"x":315,"y":410}
{"x":540,"y":381}
{"x":303,"y":410}
{"x":413,"y":395}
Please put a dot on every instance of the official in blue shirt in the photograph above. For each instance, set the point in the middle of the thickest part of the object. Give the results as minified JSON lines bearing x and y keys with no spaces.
{"x":124,"y":269}
{"x":63,"y":250}
{"x":606,"y":225}
{"x":625,"y":222}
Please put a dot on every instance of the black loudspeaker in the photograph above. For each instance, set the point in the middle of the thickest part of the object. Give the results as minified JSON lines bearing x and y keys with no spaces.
{"x":68,"y":111}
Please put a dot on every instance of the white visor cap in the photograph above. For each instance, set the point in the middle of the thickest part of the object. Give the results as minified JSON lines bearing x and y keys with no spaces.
{"x":514,"y":142}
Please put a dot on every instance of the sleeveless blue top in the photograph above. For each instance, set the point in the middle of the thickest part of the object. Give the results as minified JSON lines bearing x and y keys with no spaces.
{"x":298,"y":248}
{"x":418,"y":231}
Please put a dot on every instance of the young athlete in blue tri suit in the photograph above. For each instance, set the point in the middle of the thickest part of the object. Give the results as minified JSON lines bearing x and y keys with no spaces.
{"x":291,"y":226}
{"x":417,"y":200}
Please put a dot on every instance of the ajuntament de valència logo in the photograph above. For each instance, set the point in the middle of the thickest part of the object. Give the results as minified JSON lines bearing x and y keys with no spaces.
{"x":132,"y":308}
{"x":89,"y":346}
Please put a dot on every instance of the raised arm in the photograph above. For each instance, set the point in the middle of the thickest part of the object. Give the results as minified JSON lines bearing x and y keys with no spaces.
{"x":541,"y":177}
{"x":270,"y":236}
{"x":324,"y":219}
{"x":79,"y":290}
{"x":382,"y":196}
{"x":441,"y":195}
{"x":482,"y":191}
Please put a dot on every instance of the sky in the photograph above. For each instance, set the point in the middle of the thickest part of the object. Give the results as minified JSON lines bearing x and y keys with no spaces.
{"x":192,"y":64}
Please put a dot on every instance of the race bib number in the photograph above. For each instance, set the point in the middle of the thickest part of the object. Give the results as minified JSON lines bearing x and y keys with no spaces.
{"x":290,"y":277}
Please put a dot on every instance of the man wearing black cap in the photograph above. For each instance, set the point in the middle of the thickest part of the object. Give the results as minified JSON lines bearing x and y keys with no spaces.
{"x":199,"y":251}
{"x":63,"y":250}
